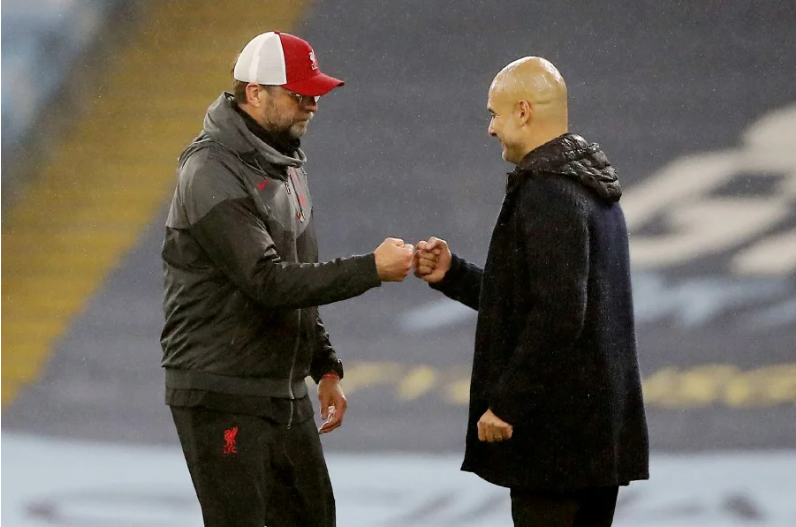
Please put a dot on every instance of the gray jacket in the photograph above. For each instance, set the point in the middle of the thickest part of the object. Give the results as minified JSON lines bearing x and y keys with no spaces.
{"x":242,"y":282}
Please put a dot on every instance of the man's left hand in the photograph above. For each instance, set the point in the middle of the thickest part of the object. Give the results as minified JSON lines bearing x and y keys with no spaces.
{"x":333,"y":403}
{"x":493,"y":429}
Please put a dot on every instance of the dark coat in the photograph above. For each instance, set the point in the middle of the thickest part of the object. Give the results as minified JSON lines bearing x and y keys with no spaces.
{"x":555,"y":347}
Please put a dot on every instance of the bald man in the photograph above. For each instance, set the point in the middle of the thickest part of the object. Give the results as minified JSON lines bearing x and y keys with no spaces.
{"x":556,"y":410}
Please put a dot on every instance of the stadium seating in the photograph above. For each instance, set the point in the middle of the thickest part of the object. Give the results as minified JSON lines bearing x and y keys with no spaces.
{"x":41,"y":41}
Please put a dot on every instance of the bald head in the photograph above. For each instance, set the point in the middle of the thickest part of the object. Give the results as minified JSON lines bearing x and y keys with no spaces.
{"x":535,"y":80}
{"x":528,"y":102}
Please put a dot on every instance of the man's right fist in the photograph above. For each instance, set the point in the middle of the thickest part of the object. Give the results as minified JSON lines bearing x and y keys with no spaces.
{"x":394,"y":260}
{"x":432,"y":260}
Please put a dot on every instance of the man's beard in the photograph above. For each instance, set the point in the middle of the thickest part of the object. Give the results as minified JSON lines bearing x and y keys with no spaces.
{"x":297,"y":130}
{"x":284,"y":137}
{"x":292,"y":131}
{"x":287,"y":135}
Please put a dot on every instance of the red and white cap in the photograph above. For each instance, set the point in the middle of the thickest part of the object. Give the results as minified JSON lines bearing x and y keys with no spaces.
{"x":280,"y":59}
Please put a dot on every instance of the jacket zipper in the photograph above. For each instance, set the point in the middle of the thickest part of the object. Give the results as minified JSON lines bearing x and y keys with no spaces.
{"x":292,"y":368}
{"x":290,"y":187}
{"x":291,"y":174}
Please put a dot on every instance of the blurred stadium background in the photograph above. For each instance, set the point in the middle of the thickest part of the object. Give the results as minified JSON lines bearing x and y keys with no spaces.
{"x":694,"y":102}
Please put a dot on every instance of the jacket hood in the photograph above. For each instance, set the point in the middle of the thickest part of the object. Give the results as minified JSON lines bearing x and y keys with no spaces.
{"x":571,"y":156}
{"x":223,"y":125}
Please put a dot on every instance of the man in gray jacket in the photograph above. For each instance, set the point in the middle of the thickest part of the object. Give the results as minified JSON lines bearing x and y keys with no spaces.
{"x":243,"y":282}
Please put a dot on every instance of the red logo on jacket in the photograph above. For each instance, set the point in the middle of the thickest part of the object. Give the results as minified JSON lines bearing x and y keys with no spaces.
{"x":231,"y":446}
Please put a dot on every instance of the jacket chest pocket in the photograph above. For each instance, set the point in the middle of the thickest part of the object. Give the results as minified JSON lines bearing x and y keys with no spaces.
{"x":290,"y":202}
{"x":286,"y":209}
{"x":296,"y":187}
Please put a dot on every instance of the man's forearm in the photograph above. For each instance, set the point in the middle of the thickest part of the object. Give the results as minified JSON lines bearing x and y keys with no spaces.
{"x":462,"y":282}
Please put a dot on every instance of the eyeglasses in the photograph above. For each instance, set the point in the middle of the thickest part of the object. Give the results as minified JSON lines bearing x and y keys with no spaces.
{"x":302,"y":99}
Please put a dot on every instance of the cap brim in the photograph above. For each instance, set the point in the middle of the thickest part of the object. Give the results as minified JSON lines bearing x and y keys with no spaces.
{"x":321,"y":84}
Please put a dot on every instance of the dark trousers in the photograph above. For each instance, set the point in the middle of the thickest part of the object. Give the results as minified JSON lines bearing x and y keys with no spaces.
{"x":580,"y":508}
{"x":249,"y":471}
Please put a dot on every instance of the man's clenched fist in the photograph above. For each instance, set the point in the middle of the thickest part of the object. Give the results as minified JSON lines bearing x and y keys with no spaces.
{"x":394,"y":260}
{"x":432,"y":259}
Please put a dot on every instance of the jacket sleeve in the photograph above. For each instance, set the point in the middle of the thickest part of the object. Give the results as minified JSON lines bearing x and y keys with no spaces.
{"x":224,"y":222}
{"x":462,"y":282}
{"x":554,"y":236}
{"x":324,"y":358}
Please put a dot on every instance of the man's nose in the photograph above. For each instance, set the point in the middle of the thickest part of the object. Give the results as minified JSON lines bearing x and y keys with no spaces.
{"x":310,"y":103}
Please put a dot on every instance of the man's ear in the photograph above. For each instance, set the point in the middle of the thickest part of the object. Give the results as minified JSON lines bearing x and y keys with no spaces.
{"x":253,"y":94}
{"x":524,"y":112}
